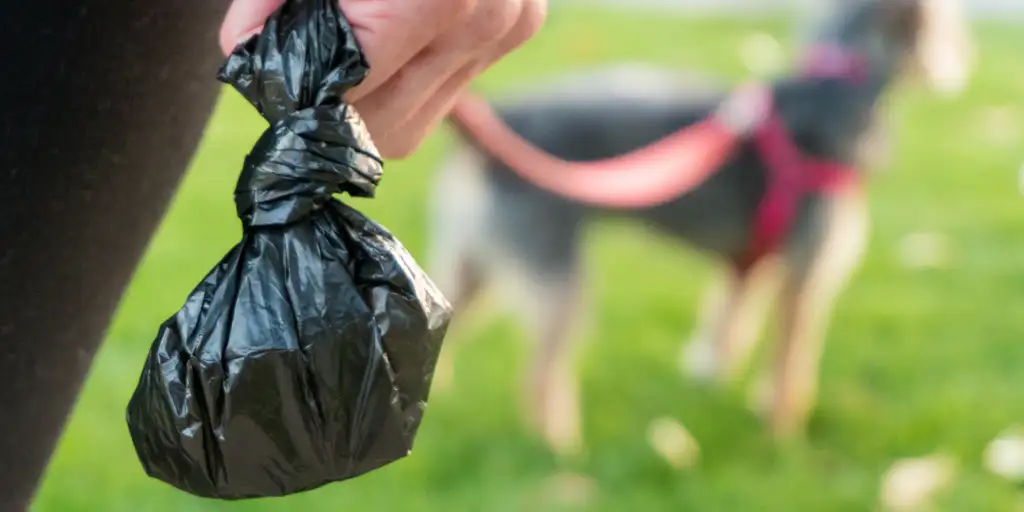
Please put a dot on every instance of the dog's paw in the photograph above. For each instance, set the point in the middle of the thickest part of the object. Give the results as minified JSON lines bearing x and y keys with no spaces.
{"x":759,"y":396}
{"x":568,"y":490}
{"x":565,"y":444}
{"x":698,"y":361}
{"x":561,"y":430}
{"x":553,"y":413}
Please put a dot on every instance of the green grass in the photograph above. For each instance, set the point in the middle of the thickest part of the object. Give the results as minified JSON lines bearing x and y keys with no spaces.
{"x":917,"y":361}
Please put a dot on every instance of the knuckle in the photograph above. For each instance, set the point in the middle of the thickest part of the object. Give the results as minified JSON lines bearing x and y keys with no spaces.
{"x":492,"y":20}
{"x":398,"y":147}
{"x":532,"y":18}
{"x":456,"y":9}
{"x":529,"y":20}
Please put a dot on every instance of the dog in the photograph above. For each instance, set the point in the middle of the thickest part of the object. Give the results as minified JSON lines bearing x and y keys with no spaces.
{"x":764,"y":179}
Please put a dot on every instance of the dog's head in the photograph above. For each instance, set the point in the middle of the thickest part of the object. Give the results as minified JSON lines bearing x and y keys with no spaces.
{"x":929,"y":39}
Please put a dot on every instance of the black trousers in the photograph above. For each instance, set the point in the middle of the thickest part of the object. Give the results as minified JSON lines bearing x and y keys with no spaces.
{"x":102,"y":103}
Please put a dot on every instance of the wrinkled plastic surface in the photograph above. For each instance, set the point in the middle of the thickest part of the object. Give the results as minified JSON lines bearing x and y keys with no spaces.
{"x":305,"y":357}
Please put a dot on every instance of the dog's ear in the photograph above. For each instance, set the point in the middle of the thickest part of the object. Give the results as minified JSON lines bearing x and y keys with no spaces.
{"x":936,"y":35}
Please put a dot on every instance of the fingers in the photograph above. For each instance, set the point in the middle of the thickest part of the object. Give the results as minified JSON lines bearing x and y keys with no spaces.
{"x":398,"y":99}
{"x":421,"y":54}
{"x":392,"y":32}
{"x":403,"y":140}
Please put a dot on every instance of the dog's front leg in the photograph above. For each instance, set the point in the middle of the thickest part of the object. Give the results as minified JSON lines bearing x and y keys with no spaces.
{"x":731,"y":321}
{"x":819,"y":261}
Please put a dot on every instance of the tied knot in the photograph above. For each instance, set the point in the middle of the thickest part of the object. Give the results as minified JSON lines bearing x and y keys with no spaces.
{"x":296,"y":72}
{"x":301,"y":161}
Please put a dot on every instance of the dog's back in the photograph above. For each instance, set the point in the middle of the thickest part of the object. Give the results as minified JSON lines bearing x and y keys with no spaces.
{"x":488,"y":221}
{"x":601,"y":113}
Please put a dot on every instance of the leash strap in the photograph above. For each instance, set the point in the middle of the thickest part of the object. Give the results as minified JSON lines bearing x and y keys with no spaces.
{"x":647,"y":177}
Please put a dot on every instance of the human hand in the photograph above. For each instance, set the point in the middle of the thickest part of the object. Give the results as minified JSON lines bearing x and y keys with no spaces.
{"x":422,"y":53}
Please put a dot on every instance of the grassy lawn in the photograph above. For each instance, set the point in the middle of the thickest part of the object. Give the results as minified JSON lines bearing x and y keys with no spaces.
{"x":917,"y":361}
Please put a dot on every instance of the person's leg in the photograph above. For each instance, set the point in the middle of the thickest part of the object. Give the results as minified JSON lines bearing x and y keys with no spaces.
{"x":103,"y":103}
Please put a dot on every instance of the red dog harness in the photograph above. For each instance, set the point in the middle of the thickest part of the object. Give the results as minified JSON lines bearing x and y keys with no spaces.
{"x":678,"y":163}
{"x":791,"y":176}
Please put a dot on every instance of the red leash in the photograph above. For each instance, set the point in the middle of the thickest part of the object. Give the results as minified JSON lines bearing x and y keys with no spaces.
{"x":644,"y":178}
{"x":667,"y":169}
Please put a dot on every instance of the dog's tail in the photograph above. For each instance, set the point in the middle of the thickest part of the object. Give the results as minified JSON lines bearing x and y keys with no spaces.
{"x":652,"y":175}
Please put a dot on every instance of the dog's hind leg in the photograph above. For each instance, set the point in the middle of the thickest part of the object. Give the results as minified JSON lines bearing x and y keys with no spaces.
{"x":460,"y":207}
{"x":730,"y":322}
{"x":552,"y":395}
{"x":819,"y":261}
{"x":460,"y":211}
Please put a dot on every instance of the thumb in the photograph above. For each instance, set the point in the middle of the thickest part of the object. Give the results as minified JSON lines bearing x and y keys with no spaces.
{"x":244,"y":18}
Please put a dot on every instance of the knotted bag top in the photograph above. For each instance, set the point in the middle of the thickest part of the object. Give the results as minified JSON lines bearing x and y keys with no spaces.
{"x":316,"y":145}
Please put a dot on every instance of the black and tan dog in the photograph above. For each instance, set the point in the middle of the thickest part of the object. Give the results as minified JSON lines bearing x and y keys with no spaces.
{"x":765,"y":179}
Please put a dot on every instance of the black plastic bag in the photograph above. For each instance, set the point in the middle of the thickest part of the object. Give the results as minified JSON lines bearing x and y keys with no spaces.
{"x":305,"y":357}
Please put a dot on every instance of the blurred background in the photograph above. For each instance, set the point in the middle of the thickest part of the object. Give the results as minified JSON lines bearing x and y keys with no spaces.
{"x":921,"y":378}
